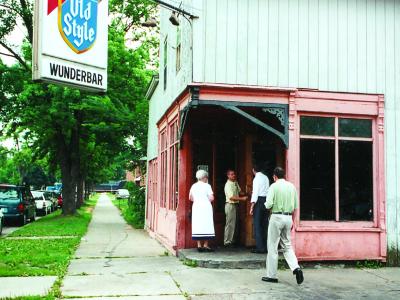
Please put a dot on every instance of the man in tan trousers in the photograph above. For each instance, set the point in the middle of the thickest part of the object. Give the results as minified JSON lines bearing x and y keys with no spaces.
{"x":282,"y":200}
{"x":232,"y":194}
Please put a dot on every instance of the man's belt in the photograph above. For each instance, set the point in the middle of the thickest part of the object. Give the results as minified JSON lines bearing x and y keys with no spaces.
{"x":282,"y":213}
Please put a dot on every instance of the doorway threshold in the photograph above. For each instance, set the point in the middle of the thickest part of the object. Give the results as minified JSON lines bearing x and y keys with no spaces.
{"x":224,"y":258}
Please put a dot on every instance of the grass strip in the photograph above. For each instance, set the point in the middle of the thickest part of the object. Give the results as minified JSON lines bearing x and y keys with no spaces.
{"x":56,"y":224}
{"x":36,"y":257}
{"x":39,"y":257}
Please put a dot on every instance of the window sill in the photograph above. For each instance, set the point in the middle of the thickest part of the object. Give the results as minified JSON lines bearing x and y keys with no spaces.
{"x":332,"y":226}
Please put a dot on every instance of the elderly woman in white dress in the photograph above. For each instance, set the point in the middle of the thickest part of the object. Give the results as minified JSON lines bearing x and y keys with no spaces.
{"x":202,"y":195}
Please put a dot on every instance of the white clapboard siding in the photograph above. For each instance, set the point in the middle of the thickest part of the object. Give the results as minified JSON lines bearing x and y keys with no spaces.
{"x":331,"y":45}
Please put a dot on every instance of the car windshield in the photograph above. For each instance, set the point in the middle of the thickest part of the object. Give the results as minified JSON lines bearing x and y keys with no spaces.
{"x":37,"y":195}
{"x":9,"y":193}
{"x":48,"y":195}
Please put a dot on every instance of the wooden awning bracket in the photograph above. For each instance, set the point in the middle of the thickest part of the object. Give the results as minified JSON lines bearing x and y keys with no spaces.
{"x":183,"y":117}
{"x":280,"y":111}
{"x":283,"y":137}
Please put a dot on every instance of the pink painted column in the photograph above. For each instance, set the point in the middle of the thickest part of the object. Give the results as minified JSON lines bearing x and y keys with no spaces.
{"x":292,"y":155}
{"x":381,"y":183}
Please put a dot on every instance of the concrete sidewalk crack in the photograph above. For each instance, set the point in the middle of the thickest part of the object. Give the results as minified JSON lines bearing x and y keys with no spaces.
{"x":111,"y":252}
{"x":376,"y":275}
{"x":184,"y":294}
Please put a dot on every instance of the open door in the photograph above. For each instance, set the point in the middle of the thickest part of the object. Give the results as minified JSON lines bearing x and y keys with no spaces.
{"x":264,"y":149}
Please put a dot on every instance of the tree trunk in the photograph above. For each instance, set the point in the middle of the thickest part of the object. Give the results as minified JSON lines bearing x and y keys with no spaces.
{"x":66,"y":160}
{"x":68,"y":192}
{"x":80,"y":191}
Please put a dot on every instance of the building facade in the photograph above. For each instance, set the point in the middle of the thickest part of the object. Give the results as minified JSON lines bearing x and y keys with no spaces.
{"x":305,"y":84}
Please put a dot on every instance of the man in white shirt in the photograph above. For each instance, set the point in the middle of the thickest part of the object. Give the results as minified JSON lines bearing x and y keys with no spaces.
{"x":258,"y":210}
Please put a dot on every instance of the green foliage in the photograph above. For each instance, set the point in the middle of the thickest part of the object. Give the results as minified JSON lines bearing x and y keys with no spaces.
{"x":21,"y":167}
{"x":190,"y":263}
{"x":80,"y":133}
{"x":133,"y":209}
{"x":35,"y":257}
{"x":369,"y":264}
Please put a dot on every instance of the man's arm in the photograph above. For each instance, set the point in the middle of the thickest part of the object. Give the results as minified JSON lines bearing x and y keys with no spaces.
{"x":270,"y":198}
{"x":295,"y":206}
{"x":238,"y":198}
{"x":254,"y":195}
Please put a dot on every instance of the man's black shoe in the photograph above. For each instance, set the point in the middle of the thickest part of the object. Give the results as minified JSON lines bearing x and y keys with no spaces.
{"x":267,"y":279}
{"x":299,"y":275}
{"x":258,"y":251}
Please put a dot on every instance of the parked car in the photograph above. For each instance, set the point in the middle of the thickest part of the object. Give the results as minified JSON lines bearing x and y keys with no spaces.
{"x":60,"y":201}
{"x":50,"y":188}
{"x":43,"y":205}
{"x":122,"y":194}
{"x":1,"y":221}
{"x":17,"y":203}
{"x":53,"y":197}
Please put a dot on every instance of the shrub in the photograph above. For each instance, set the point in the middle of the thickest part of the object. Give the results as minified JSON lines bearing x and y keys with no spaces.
{"x":135,"y":210}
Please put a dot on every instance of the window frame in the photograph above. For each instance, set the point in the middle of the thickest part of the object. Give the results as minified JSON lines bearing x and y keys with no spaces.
{"x":337,"y":138}
{"x":178,"y":50}
{"x":163,"y":164}
{"x":165,"y":62}
{"x":173,"y":163}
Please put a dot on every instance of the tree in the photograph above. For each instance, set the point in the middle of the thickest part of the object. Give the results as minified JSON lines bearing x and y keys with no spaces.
{"x":78,"y":131}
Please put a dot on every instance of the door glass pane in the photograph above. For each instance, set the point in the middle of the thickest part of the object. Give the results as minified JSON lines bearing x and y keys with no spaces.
{"x":355,"y":128}
{"x":355,"y":181}
{"x":317,"y":179}
{"x":317,"y":126}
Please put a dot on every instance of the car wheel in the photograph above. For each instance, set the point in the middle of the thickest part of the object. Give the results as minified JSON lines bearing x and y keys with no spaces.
{"x":1,"y":226}
{"x":23,"y":220}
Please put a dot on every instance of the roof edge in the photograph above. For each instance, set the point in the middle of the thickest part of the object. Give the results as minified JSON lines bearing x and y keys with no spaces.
{"x":155,"y":79}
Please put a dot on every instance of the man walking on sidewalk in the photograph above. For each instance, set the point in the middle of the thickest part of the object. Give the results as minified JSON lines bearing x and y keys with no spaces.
{"x":283,"y":201}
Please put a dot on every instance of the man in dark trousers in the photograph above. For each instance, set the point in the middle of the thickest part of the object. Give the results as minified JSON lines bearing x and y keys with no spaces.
{"x":258,"y":210}
{"x":282,"y":200}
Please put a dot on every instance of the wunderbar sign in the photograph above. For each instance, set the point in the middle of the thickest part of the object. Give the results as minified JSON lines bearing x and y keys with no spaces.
{"x":70,"y":44}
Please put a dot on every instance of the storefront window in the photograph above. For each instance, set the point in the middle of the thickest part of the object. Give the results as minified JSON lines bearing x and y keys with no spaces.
{"x":173,"y":168}
{"x":163,"y":165}
{"x":317,"y":167}
{"x":318,"y":126}
{"x":355,"y":128}
{"x":336,"y":169}
{"x":355,"y":180}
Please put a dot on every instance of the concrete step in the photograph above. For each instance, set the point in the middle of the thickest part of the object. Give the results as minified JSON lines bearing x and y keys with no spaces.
{"x":222,"y":258}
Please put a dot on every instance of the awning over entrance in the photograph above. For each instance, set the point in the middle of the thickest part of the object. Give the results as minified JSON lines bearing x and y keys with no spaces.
{"x":257,"y":113}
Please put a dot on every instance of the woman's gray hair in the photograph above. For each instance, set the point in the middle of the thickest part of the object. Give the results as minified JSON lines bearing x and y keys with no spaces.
{"x":200,"y":174}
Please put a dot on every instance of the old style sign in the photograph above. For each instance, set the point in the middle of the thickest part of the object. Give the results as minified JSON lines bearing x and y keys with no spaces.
{"x":70,"y":43}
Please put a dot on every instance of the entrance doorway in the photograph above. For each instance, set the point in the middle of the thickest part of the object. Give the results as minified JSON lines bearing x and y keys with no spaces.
{"x":228,"y":141}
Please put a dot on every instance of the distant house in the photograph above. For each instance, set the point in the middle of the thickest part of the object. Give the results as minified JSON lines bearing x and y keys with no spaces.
{"x":308,"y":85}
{"x":136,"y":176}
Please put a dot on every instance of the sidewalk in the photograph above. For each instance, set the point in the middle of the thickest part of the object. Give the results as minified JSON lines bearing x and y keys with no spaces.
{"x":115,"y":260}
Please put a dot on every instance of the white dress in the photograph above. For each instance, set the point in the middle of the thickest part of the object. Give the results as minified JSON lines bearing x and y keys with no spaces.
{"x":202,"y":211}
